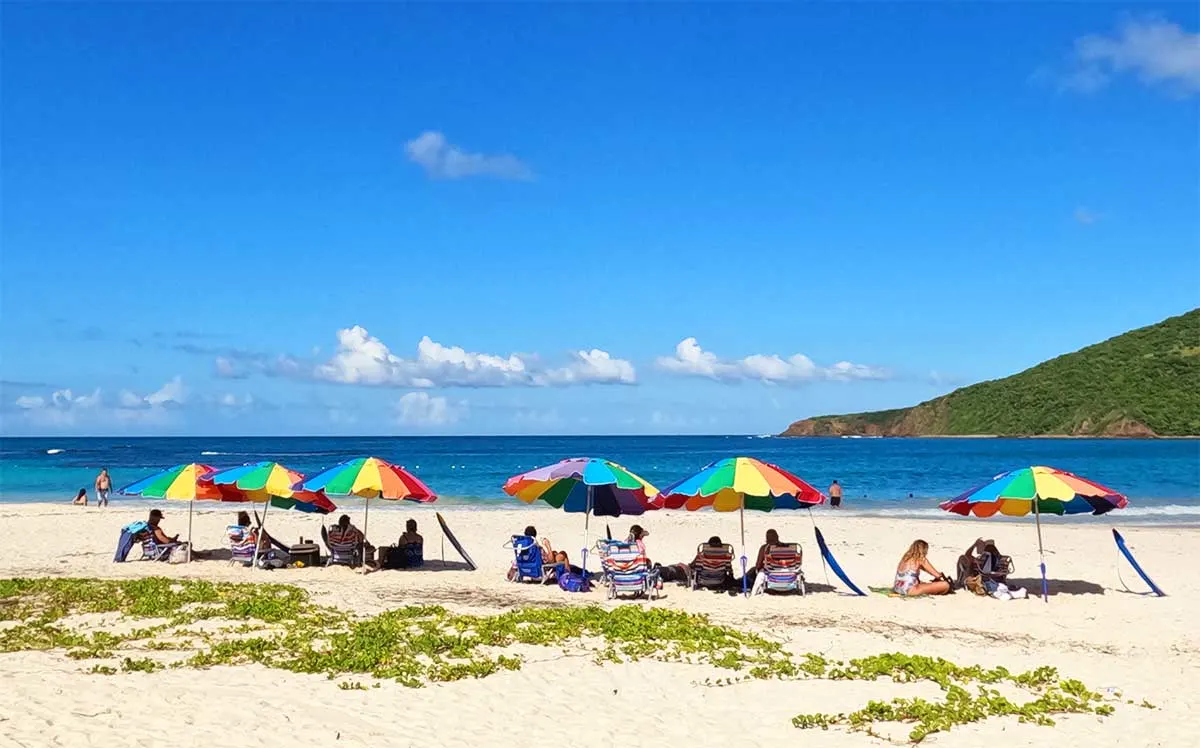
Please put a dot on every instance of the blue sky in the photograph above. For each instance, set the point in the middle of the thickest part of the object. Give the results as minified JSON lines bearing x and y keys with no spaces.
{"x":246,"y":219}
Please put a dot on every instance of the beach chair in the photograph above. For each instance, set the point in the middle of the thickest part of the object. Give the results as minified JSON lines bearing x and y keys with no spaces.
{"x":155,"y":551}
{"x":131,"y":534}
{"x":528,"y":562}
{"x":627,"y":571}
{"x":984,"y":560}
{"x":713,"y":567}
{"x":241,"y":544}
{"x":781,"y":568}
{"x":345,"y":549}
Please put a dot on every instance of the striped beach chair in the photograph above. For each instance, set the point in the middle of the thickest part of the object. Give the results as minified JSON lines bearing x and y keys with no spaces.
{"x":781,"y":567}
{"x":345,"y":548}
{"x":627,"y":571}
{"x":155,"y":551}
{"x":713,"y":567}
{"x":241,"y":544}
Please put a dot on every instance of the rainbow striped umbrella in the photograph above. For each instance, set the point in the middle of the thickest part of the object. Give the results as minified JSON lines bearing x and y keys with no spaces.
{"x":588,"y":485}
{"x":370,"y":478}
{"x":188,"y":483}
{"x":271,"y":484}
{"x":736,"y":484}
{"x":1041,"y":490}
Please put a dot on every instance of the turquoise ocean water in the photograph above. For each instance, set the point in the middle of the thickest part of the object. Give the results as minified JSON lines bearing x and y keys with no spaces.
{"x":880,"y":476}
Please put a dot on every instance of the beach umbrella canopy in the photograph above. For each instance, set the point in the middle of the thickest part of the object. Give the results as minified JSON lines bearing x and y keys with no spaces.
{"x":736,"y":484}
{"x":588,"y":485}
{"x":1055,"y":492}
{"x":271,"y":484}
{"x":585,"y":484}
{"x":180,"y":483}
{"x":369,"y":478}
{"x":1038,"y":490}
{"x":188,"y":483}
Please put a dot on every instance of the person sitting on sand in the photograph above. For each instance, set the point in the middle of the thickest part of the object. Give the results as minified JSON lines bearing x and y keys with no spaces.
{"x":771,"y":540}
{"x":547,"y":551}
{"x":264,"y":540}
{"x":411,"y":536}
{"x":912,"y":563}
{"x":714,"y":546}
{"x":160,"y":537}
{"x":637,"y":536}
{"x":80,"y":498}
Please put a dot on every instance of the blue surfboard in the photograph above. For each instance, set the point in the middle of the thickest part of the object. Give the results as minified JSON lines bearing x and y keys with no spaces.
{"x":833,"y":564}
{"x":1136,"y":566}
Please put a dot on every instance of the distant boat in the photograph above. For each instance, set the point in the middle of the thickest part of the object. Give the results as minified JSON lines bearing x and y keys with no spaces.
{"x":55,"y":451}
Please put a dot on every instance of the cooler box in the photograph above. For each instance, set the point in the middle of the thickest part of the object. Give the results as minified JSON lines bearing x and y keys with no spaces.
{"x":307,"y":553}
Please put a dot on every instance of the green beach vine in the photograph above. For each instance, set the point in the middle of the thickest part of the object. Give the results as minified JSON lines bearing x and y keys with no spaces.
{"x":199,"y":624}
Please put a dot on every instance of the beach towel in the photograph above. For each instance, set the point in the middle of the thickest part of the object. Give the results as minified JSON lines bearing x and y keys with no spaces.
{"x":125,"y":544}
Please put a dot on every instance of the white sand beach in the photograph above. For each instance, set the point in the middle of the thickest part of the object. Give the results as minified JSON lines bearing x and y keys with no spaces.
{"x":1142,"y":647}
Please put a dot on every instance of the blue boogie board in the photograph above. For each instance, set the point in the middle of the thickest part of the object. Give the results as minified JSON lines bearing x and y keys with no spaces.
{"x":833,"y":564}
{"x":1136,"y":566}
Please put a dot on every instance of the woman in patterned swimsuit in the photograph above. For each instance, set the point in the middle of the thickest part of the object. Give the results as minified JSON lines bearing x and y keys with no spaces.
{"x":914,"y":561}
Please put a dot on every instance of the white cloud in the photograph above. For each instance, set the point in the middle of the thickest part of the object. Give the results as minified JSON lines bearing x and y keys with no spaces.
{"x":692,"y":360}
{"x":232,"y":404}
{"x":1157,"y":51}
{"x":227,"y":369}
{"x":171,"y":393}
{"x":442,"y":160}
{"x":594,"y":366}
{"x":423,"y":409}
{"x":63,"y":408}
{"x":364,"y":359}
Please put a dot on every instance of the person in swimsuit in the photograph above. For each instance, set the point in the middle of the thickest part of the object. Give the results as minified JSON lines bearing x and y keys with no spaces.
{"x":908,"y":580}
{"x":835,"y":495}
{"x":103,"y":487}
{"x":81,"y":497}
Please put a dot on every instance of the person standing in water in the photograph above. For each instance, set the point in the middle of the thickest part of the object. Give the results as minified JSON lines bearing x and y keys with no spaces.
{"x":103,"y":487}
{"x":835,"y":495}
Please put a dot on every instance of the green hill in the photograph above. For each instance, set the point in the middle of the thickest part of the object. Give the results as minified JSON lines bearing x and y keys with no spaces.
{"x":1143,"y":383}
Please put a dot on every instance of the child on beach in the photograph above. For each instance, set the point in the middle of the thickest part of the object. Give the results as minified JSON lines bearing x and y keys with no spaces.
{"x":912,"y":563}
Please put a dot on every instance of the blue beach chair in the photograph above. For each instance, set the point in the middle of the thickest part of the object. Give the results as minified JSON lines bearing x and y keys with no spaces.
{"x":527,"y":560}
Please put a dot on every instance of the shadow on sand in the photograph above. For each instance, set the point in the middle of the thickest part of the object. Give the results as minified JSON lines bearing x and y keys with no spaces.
{"x":1058,"y":587}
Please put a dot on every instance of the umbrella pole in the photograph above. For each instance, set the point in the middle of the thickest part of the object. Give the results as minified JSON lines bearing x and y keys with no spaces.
{"x":366,"y":518}
{"x":262,"y":528}
{"x":191,"y":503}
{"x":742,"y":518}
{"x":1037,"y":513}
{"x":824,"y":566}
{"x":586,"y":516}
